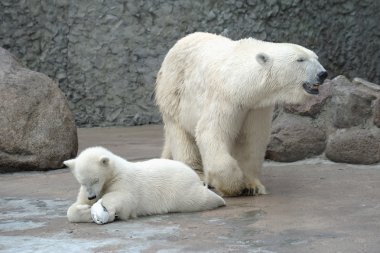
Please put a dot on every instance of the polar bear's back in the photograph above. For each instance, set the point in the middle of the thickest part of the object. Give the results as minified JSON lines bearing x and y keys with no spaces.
{"x":191,"y":54}
{"x":171,"y":186}
{"x":169,"y":171}
{"x":185,"y":75}
{"x":191,"y":43}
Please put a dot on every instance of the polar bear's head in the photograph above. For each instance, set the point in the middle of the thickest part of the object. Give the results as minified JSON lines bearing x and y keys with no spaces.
{"x":92,"y":169}
{"x":293,"y":72}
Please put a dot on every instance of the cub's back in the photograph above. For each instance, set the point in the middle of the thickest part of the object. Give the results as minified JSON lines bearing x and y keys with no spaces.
{"x":166,"y":170}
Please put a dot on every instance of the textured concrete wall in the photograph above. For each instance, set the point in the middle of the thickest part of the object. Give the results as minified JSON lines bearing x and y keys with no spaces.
{"x":105,"y":54}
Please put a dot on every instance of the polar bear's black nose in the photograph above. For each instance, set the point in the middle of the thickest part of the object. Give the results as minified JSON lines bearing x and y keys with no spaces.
{"x":322,"y":76}
{"x":91,"y":197}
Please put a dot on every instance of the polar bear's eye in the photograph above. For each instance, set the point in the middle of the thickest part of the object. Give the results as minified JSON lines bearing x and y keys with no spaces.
{"x":95,"y":181}
{"x":301,"y":59}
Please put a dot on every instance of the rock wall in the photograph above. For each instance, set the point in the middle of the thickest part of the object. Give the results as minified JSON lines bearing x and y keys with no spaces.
{"x":105,"y":54}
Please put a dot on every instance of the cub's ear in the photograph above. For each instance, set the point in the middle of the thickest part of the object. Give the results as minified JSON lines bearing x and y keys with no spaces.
{"x":105,"y":161}
{"x":262,"y":58}
{"x":70,"y":163}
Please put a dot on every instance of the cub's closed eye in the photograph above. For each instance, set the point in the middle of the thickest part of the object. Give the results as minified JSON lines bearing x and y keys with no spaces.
{"x":95,"y":181}
{"x":300,"y":59}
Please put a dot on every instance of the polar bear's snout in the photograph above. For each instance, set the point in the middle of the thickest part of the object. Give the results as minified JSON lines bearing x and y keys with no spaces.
{"x":91,"y":193}
{"x":322,"y":76}
{"x":92,"y":197}
{"x":313,"y":87}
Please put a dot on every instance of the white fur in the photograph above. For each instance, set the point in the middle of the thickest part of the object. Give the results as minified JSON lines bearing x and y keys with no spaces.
{"x":127,"y":189}
{"x":217,"y":98}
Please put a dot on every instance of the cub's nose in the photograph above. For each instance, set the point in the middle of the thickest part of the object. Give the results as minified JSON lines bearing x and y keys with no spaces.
{"x":322,"y":76}
{"x":91,"y":197}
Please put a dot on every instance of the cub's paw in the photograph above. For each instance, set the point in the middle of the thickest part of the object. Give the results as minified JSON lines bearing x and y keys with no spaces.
{"x":79,"y":213}
{"x":99,"y":213}
{"x":255,"y":188}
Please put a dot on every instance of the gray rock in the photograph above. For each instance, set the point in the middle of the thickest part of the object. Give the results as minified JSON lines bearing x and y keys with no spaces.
{"x":37,"y":128}
{"x":364,"y":83}
{"x":372,"y":91}
{"x":295,"y":138}
{"x":358,"y":146}
{"x":351,"y":106}
{"x":350,"y":115}
{"x":376,"y":113}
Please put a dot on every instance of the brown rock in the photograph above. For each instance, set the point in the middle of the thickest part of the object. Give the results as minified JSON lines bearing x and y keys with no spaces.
{"x":37,"y":128}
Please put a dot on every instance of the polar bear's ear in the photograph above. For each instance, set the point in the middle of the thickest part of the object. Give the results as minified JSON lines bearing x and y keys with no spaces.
{"x":104,"y":161}
{"x":69,"y":163}
{"x":262,"y":58}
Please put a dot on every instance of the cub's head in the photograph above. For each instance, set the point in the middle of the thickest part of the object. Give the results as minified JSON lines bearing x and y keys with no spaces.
{"x":294,"y":72}
{"x":92,"y":169}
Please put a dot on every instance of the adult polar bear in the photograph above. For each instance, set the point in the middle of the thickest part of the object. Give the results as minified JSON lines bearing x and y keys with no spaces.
{"x":217,"y":97}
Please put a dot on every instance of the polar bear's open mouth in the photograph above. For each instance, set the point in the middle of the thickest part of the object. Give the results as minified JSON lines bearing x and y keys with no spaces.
{"x":311,"y":88}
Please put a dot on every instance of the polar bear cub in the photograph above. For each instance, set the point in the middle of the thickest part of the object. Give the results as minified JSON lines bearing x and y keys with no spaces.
{"x":113,"y":187}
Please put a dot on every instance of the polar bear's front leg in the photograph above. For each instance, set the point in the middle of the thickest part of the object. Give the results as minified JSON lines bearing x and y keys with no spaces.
{"x":80,"y":211}
{"x":120,"y":204}
{"x":224,"y":174}
{"x":250,"y":147}
{"x":215,"y":134}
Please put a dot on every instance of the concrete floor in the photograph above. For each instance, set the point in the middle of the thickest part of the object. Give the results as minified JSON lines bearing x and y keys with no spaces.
{"x":313,"y":206}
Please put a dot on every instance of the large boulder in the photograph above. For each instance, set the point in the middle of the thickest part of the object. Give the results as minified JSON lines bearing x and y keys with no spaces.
{"x":358,"y":146}
{"x":351,"y":103}
{"x":374,"y":90}
{"x":295,"y":138}
{"x":37,"y":128}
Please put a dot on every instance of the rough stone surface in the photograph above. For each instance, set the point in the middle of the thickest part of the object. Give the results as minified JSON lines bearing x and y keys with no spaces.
{"x":347,"y":113}
{"x":37,"y":128}
{"x":295,"y":138}
{"x":376,"y":114}
{"x":352,"y":106}
{"x":364,"y":83}
{"x":372,"y":90}
{"x":105,"y":54}
{"x":358,"y":146}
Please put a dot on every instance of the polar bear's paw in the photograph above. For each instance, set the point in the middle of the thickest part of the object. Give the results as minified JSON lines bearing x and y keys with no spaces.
{"x":83,"y":207}
{"x":99,"y":213}
{"x":255,"y":188}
